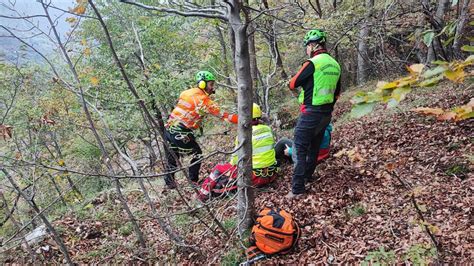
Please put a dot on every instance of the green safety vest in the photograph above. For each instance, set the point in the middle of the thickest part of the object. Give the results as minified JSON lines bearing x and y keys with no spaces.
{"x":326,"y":75}
{"x":263,"y":152}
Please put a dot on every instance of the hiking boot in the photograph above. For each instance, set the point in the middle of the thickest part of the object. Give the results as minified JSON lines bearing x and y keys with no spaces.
{"x":290,"y":195}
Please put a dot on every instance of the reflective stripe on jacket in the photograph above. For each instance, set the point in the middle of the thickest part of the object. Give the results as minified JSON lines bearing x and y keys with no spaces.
{"x":263,"y":143}
{"x":326,"y":76}
{"x":192,"y":105}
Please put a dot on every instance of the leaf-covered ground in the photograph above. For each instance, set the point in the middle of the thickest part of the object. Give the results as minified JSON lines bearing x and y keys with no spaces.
{"x":394,"y":178}
{"x":360,"y":204}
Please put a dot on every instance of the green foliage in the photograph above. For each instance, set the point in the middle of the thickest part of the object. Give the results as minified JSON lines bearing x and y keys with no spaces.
{"x":379,"y":257}
{"x":8,"y":228}
{"x":468,"y":48}
{"x":458,"y":170}
{"x":182,"y":220}
{"x":356,"y":210}
{"x":362,"y":109}
{"x":126,"y":229}
{"x":230,"y":223}
{"x":96,"y":254}
{"x":428,"y":37}
{"x":395,"y":91}
{"x":420,"y":254}
{"x":232,"y":257}
{"x":101,"y":252}
{"x":84,"y":150}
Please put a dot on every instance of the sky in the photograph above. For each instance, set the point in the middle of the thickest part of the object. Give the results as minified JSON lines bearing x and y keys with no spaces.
{"x":11,"y":49}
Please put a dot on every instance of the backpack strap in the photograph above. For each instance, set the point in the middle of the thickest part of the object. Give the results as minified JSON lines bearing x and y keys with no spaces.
{"x":253,"y":255}
{"x":297,"y":234}
{"x":252,"y":252}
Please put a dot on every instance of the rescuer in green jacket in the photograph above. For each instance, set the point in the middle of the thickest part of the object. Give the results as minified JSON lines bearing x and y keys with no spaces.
{"x":319,"y":78}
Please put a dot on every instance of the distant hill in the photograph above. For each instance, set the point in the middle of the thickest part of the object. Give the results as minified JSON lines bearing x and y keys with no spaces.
{"x":12,"y":49}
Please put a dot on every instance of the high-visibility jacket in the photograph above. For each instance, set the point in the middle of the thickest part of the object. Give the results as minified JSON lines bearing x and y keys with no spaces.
{"x":192,"y":105}
{"x":320,"y":78}
{"x":325,"y":78}
{"x":263,"y":150}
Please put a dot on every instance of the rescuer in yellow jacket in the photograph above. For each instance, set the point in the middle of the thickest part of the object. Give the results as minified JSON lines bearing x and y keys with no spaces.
{"x":264,"y":163}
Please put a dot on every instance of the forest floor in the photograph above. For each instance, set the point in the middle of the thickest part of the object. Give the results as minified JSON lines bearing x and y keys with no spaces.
{"x":397,"y":187}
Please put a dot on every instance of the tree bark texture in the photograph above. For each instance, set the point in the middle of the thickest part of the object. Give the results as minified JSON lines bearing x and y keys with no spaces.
{"x":245,"y":207}
{"x":252,"y":55}
{"x":220,"y":37}
{"x":363,"y":55}
{"x":421,"y":51}
{"x":463,"y":17}
{"x":435,"y":49}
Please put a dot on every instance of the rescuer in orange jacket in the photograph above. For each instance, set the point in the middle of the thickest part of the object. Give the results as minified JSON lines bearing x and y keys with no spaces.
{"x":186,"y":117}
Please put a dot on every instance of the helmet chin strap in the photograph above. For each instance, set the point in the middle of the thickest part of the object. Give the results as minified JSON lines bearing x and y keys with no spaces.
{"x":316,"y":48}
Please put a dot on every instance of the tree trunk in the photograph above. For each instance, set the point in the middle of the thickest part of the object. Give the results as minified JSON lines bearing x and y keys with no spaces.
{"x":220,"y":36}
{"x":252,"y":55}
{"x":271,"y":38}
{"x":463,"y":16}
{"x":316,"y":8}
{"x":437,"y":24}
{"x":421,"y":52}
{"x":363,"y":55}
{"x":232,"y":45}
{"x":245,"y":207}
{"x":46,"y":222}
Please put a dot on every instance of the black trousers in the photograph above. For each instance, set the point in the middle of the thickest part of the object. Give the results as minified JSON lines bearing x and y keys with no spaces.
{"x":309,"y":133}
{"x":182,"y":142}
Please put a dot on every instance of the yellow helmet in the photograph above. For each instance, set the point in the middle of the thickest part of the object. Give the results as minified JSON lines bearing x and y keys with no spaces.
{"x":256,"y":111}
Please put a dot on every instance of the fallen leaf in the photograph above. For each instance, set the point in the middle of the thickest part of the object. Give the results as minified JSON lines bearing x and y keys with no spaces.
{"x":6,"y":131}
{"x":447,"y":116}
{"x":429,"y":111}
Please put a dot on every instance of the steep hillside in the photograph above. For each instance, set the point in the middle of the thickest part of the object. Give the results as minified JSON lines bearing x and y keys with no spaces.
{"x":398,"y":187}
{"x":393,"y":175}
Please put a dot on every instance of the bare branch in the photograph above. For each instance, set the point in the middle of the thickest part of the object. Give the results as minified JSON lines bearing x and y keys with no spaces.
{"x":72,"y":13}
{"x":204,"y":13}
{"x":23,"y":17}
{"x":50,"y":227}
{"x":106,"y":155}
{"x":67,"y":190}
{"x":260,"y":12}
{"x":65,"y":169}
